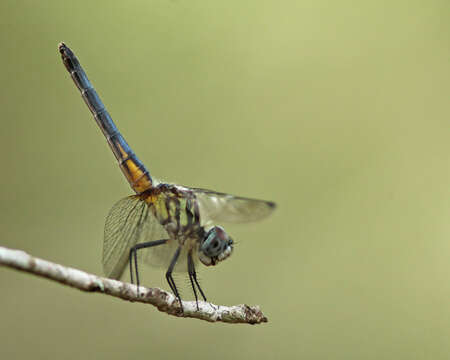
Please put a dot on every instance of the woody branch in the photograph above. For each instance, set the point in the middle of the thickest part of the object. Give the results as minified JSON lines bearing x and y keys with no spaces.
{"x":162,"y":300}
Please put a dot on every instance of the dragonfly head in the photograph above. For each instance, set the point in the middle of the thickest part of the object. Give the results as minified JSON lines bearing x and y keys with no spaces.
{"x":216,"y":246}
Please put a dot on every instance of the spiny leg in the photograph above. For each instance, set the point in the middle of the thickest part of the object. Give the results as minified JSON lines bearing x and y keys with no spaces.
{"x":169,"y":277}
{"x":133,"y":255}
{"x":191,"y":272}
{"x":194,"y":276}
{"x":136,"y":270}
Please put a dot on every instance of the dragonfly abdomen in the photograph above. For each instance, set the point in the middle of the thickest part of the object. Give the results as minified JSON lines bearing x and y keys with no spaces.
{"x":133,"y":169}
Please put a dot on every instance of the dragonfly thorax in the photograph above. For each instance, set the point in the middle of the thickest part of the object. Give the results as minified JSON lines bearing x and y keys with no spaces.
{"x":216,"y":246}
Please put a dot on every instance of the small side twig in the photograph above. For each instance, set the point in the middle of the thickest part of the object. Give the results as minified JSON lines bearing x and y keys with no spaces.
{"x":161,"y":299}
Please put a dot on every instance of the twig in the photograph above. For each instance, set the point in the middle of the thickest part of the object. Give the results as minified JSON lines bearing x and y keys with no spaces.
{"x":163,"y":300}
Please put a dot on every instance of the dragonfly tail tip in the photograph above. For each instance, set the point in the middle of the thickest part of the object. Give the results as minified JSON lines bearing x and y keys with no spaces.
{"x":62,"y":46}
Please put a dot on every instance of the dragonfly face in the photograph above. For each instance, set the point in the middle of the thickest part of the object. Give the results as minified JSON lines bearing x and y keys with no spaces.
{"x":167,"y":225}
{"x":216,"y":247}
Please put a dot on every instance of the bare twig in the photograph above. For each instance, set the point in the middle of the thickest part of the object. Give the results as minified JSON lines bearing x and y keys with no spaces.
{"x":163,"y":300}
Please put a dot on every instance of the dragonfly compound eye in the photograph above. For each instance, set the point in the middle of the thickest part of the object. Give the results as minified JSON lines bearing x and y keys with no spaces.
{"x":215,"y":242}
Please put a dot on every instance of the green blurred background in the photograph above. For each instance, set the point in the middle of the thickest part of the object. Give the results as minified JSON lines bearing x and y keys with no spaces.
{"x":338,"y":111}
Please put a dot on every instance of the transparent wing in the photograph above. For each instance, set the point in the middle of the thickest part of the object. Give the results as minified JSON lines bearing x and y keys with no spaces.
{"x":130,"y":222}
{"x":160,"y":256}
{"x":220,"y":207}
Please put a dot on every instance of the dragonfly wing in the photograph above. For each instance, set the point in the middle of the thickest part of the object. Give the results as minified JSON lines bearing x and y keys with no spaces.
{"x":129,"y":222}
{"x":219,"y":207}
{"x":161,"y":256}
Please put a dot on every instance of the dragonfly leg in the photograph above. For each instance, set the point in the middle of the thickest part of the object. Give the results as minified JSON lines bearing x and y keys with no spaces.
{"x":133,"y":256}
{"x":200,"y":289}
{"x":191,"y":272}
{"x":193,"y":278}
{"x":169,"y":277}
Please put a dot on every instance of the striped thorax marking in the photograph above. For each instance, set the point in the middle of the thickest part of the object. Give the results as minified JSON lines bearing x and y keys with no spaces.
{"x":176,"y":209}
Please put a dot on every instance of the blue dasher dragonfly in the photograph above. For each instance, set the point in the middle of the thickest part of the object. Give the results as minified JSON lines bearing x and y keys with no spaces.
{"x":168,"y":225}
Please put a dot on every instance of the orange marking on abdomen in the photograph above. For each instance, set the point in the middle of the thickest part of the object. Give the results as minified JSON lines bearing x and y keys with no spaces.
{"x":138,"y":179}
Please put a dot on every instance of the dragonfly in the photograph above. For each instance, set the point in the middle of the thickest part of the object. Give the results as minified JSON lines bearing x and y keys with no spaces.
{"x":167,"y":225}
